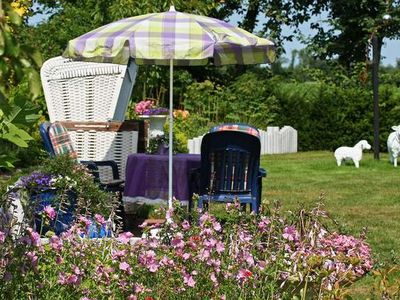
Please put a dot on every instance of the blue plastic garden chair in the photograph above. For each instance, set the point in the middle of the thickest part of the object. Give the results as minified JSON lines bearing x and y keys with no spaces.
{"x":230,"y":166}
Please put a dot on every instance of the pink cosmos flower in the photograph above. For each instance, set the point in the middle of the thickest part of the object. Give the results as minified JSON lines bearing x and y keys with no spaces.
{"x":131,"y":297}
{"x":124,"y":237}
{"x":50,"y":212}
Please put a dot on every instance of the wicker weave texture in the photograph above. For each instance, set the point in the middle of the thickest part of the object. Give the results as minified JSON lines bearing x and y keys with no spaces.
{"x":85,"y":91}
{"x":102,"y":145}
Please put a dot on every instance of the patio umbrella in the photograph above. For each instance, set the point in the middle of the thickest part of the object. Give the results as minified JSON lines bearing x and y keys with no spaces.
{"x":171,"y":38}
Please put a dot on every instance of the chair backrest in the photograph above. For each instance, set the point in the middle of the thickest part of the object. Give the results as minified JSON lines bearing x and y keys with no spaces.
{"x":87,"y":91}
{"x":230,"y":160}
{"x":56,"y":139}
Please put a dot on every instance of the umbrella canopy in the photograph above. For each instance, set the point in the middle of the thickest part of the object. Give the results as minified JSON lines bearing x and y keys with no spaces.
{"x":171,"y":38}
{"x":159,"y":37}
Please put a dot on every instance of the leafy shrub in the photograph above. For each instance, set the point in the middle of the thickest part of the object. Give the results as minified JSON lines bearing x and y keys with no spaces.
{"x":72,"y":191}
{"x":247,"y":257}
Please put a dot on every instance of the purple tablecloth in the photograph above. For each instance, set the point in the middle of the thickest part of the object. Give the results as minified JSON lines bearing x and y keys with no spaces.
{"x":147,"y":175}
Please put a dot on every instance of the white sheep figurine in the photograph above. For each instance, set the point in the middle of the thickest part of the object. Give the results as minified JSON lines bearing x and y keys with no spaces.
{"x":353,"y":153}
{"x":393,"y":145}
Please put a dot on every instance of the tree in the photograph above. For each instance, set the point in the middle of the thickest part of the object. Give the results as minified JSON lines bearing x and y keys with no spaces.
{"x":17,"y":63}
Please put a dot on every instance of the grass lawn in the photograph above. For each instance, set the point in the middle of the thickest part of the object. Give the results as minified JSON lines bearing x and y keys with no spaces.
{"x":357,"y":198}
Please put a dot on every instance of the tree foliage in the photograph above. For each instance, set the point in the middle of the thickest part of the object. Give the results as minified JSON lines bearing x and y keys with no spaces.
{"x":17,"y":63}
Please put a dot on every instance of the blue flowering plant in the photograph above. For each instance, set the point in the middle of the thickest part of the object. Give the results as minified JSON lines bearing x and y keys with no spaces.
{"x":58,"y":191}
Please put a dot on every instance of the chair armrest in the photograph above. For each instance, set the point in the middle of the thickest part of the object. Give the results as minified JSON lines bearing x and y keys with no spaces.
{"x":262,"y":172}
{"x":109,"y":163}
{"x":93,"y":166}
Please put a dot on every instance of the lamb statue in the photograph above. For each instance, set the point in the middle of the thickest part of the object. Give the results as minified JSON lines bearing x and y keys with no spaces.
{"x":393,"y":145}
{"x":353,"y":153}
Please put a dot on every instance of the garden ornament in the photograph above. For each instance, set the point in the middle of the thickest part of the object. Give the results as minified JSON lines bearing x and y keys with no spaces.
{"x":351,"y":153}
{"x":393,"y":145}
{"x":171,"y":38}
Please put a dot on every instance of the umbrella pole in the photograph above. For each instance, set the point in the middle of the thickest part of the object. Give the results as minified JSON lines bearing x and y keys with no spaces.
{"x":171,"y":124}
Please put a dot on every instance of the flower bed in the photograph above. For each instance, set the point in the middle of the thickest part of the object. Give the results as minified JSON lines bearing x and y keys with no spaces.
{"x":247,"y":256}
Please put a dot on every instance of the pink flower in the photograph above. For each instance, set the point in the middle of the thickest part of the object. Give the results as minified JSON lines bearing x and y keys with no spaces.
{"x":33,"y":258}
{"x":124,"y":266}
{"x":185,"y":225}
{"x":177,"y":241}
{"x":169,"y":213}
{"x":118,"y":253}
{"x":138,"y":288}
{"x":217,"y":226}
{"x":59,"y":259}
{"x":100,"y":219}
{"x":148,"y":259}
{"x":50,"y":212}
{"x":76,"y":270}
{"x":220,"y":247}
{"x":188,"y":280}
{"x":56,"y":243}
{"x":61,"y":278}
{"x":131,"y":297}
{"x":85,"y":221}
{"x":34,"y":238}
{"x":290,"y":233}
{"x":186,"y":256}
{"x":72,"y":280}
{"x":2,"y":237}
{"x":213,"y":277}
{"x":124,"y":237}
{"x":243,"y":274}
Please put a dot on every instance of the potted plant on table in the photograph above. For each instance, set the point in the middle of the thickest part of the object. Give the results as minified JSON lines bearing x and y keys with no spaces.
{"x":147,"y":109}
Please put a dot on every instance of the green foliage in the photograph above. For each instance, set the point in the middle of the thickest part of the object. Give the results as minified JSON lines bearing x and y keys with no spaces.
{"x":90,"y":198}
{"x":17,"y":63}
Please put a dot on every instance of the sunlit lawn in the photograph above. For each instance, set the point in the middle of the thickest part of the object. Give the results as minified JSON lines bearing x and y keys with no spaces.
{"x":357,"y":198}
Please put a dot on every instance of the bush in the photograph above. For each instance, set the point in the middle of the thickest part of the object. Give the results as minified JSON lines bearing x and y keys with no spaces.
{"x":248,"y":257}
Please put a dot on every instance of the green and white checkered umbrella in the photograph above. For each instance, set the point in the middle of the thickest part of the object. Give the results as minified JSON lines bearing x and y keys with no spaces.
{"x":171,"y":38}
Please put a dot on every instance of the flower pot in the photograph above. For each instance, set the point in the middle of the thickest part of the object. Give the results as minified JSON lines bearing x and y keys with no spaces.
{"x":156,"y":124}
{"x":64,"y":210}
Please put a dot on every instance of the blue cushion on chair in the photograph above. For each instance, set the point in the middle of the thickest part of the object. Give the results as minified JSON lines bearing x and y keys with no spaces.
{"x":44,"y":133}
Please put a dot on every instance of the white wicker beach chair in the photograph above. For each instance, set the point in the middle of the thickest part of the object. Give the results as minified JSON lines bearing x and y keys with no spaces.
{"x":86,"y":91}
{"x":91,"y":99}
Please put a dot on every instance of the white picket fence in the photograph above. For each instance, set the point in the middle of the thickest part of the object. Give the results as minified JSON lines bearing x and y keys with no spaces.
{"x":273,"y":141}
